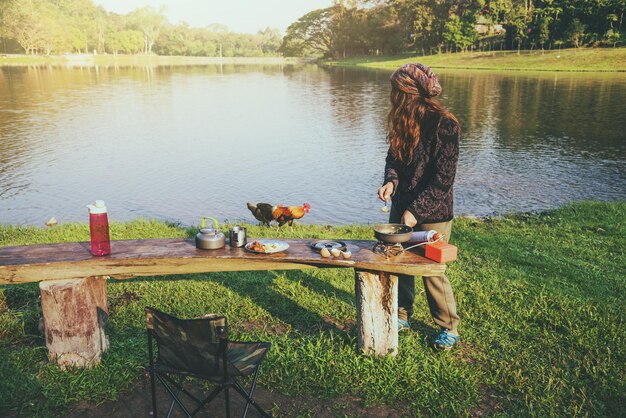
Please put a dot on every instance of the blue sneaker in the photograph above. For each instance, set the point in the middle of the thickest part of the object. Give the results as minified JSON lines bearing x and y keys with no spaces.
{"x":445,"y":340}
{"x":403,"y":325}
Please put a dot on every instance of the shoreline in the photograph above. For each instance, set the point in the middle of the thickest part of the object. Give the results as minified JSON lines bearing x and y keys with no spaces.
{"x":91,"y":60}
{"x":584,"y":61}
{"x":55,"y":233}
{"x":250,"y":222}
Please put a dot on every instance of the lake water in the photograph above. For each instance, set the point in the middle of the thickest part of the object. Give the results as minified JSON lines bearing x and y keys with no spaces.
{"x":180,"y":143}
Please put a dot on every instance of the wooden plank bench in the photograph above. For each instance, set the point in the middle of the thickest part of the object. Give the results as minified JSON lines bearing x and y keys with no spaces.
{"x":73,"y":286}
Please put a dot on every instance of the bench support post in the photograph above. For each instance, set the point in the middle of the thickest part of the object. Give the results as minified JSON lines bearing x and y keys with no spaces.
{"x":377,"y":312}
{"x":74,"y":315}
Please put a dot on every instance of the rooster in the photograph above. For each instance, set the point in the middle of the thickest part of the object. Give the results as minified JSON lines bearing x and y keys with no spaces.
{"x":263,"y":212}
{"x":266,"y":213}
{"x":287,"y":214}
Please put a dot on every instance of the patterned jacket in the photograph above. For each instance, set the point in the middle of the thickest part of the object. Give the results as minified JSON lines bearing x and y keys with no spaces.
{"x":424,"y":186}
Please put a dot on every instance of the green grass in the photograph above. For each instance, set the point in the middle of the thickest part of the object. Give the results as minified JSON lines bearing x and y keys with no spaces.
{"x":584,"y":59}
{"x":541,"y":298}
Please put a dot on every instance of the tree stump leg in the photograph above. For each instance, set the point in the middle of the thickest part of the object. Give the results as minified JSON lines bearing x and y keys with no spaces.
{"x":74,"y":315}
{"x":377,"y":312}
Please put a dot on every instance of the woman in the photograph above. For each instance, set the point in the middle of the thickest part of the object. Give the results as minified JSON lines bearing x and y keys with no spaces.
{"x":419,"y":172}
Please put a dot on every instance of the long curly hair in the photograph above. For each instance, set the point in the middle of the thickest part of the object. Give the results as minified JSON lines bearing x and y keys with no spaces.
{"x":409,"y":112}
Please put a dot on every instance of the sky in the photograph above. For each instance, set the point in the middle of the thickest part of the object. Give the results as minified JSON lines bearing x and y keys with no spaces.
{"x":244,"y":16}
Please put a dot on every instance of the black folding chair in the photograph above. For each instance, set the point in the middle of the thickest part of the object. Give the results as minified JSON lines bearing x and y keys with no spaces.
{"x":199,"y":348}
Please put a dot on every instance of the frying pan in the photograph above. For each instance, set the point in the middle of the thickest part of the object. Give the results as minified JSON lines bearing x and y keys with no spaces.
{"x":393,"y":233}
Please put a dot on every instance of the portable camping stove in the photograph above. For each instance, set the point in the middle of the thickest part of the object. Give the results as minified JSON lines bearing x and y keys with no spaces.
{"x":387,"y":249}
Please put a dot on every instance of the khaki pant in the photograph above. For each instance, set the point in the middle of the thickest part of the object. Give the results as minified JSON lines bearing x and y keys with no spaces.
{"x":438,"y":289}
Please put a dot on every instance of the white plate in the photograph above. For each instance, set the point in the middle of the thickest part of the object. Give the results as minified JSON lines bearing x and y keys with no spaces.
{"x":318,"y":244}
{"x":271,"y":246}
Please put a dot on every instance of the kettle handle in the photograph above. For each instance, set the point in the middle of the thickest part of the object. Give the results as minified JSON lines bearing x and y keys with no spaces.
{"x":213,"y":219}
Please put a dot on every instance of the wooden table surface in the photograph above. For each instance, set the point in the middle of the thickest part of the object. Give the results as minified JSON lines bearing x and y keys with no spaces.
{"x":150,"y":257}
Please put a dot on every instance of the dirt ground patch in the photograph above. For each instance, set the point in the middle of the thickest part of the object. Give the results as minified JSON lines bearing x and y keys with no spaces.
{"x":136,"y":402}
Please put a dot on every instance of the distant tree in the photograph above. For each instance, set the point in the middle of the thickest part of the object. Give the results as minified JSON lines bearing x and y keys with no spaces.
{"x":423,"y":22}
{"x":350,"y":31}
{"x":75,"y":38}
{"x":87,"y":21}
{"x":174,"y":40}
{"x":612,"y":35}
{"x":23,"y":20}
{"x":101,"y":28}
{"x":459,"y":32}
{"x":542,"y":21}
{"x":385,"y":33}
{"x":150,"y":22}
{"x":4,"y":33}
{"x":53,"y":37}
{"x":517,"y":31}
{"x":270,"y":41}
{"x":126,"y":41}
{"x":311,"y":34}
{"x":577,"y":32}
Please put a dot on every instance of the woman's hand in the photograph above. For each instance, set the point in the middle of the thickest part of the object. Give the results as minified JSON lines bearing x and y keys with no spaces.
{"x":385,"y":192}
{"x":408,"y":219}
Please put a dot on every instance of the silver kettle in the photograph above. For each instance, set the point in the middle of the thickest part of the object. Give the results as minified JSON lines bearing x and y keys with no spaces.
{"x":210,"y":238}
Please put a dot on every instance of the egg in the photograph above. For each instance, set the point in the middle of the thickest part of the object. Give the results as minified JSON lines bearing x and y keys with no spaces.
{"x":346,"y":254}
{"x":324,"y":252}
{"x":335,"y":252}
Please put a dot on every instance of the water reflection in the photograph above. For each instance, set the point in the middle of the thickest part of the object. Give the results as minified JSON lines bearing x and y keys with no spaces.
{"x":538,"y":140}
{"x":179,"y":143}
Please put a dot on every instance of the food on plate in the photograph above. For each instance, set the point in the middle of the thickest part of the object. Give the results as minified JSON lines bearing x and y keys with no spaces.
{"x":256,"y":246}
{"x":324,"y":252}
{"x":262,"y":248}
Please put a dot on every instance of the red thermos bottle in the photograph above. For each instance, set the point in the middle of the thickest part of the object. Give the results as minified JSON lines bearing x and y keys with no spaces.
{"x":99,"y":229}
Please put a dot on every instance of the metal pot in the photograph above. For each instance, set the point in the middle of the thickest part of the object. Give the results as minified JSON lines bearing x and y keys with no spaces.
{"x":210,"y":238}
{"x":393,"y":233}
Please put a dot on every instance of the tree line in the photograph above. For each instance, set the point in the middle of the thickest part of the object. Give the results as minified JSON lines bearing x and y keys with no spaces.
{"x":347,"y":28}
{"x":73,"y":26}
{"x":362,"y":27}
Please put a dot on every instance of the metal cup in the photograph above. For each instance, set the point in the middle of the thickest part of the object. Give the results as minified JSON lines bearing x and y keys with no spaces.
{"x":237,"y":236}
